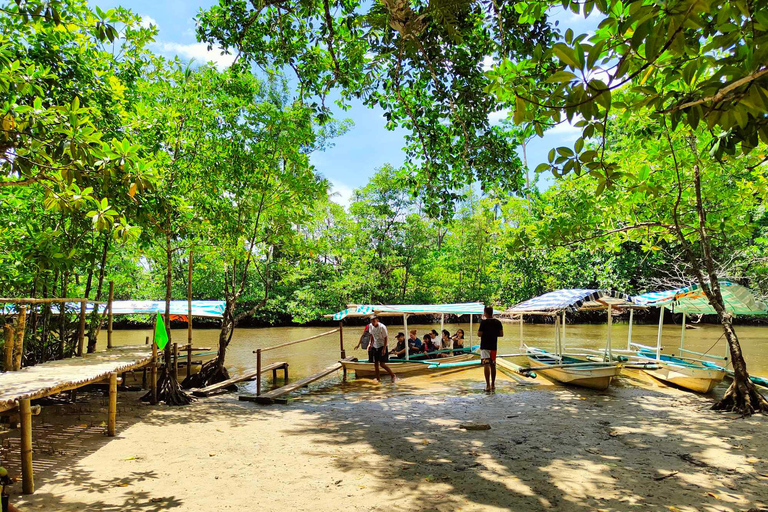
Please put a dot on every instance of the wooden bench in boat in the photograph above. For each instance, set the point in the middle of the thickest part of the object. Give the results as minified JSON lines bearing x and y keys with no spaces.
{"x":249,"y":375}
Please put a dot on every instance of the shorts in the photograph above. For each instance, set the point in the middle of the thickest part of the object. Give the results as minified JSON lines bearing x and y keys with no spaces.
{"x":488,"y":356}
{"x":378,"y":355}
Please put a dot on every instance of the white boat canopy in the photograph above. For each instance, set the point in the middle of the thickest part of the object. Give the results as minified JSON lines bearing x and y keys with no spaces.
{"x":200,"y":308}
{"x":570,"y":300}
{"x":466,"y":308}
{"x":739,"y":300}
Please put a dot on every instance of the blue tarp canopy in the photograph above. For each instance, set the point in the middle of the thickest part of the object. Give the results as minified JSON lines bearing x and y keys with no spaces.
{"x":739,"y":300}
{"x":570,"y":300}
{"x":467,"y":308}
{"x":200,"y":308}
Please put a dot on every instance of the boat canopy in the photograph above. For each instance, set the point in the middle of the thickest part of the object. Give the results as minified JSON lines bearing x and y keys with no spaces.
{"x":200,"y":308}
{"x":739,"y":300}
{"x":570,"y":300}
{"x":467,"y":308}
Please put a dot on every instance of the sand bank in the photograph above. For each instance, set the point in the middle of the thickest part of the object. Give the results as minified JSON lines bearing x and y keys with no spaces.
{"x":401,"y":447}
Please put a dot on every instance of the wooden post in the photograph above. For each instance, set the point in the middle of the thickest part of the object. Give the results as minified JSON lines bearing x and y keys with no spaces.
{"x":153,"y":373}
{"x":27,"y":474}
{"x":521,"y":331}
{"x":285,"y":372}
{"x":629,"y":334}
{"x":176,"y":360}
{"x":189,"y":307}
{"x":658,"y":336}
{"x":407,"y":339}
{"x":144,"y":370}
{"x":9,"y":341}
{"x":19,"y":342}
{"x":81,"y":329}
{"x":258,"y":371}
{"x":109,"y":316}
{"x":341,"y":339}
{"x":610,"y":324}
{"x":112,"y":404}
{"x":189,"y":355}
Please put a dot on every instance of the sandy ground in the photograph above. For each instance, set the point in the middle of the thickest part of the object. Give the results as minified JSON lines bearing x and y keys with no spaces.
{"x":367,"y":447}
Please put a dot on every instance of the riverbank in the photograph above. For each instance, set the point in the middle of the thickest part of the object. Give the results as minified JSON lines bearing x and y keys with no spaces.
{"x":362,"y":446}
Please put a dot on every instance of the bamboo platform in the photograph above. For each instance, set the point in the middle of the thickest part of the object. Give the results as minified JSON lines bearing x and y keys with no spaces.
{"x":274,"y":396}
{"x":17,"y":388}
{"x":249,"y":375}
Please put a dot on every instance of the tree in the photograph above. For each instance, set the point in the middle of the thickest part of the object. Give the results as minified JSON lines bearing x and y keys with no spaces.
{"x":422,"y":63}
{"x":262,"y":190}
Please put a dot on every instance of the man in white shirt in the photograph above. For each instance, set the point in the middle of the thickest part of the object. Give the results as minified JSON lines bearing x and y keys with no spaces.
{"x":377,"y":351}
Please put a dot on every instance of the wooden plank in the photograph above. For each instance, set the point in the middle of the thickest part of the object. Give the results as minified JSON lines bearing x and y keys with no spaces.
{"x":111,"y":416}
{"x":271,"y":396}
{"x":27,"y":474}
{"x":249,"y":375}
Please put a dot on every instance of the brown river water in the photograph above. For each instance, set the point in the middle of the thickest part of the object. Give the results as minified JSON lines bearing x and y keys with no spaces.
{"x":312,"y":356}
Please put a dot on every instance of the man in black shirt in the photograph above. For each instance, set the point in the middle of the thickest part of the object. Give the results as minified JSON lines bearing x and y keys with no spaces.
{"x":489,"y":332}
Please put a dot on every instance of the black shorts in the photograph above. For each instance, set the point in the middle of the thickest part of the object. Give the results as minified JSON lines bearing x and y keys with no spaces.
{"x":378,"y":355}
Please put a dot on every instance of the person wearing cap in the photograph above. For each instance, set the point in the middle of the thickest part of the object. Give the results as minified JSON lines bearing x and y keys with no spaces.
{"x":377,"y":351}
{"x":399,"y":350}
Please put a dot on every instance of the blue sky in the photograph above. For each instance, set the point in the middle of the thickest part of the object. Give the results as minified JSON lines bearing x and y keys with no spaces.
{"x":368,"y":145}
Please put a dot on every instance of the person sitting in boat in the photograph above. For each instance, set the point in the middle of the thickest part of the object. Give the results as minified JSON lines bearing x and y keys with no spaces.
{"x":436,"y":339}
{"x":458,"y":339}
{"x":445,"y":343}
{"x":399,"y":350}
{"x":415,"y":345}
{"x":430,"y":347}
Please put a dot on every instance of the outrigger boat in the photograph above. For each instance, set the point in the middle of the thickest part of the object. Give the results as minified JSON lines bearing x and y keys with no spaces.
{"x":570,"y":368}
{"x":413,"y":363}
{"x":693,"y":373}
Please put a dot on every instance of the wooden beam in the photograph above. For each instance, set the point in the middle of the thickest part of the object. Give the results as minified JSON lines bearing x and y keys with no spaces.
{"x":27,"y":473}
{"x":18,"y":345}
{"x":249,"y":375}
{"x":273,"y":396}
{"x":110,"y":315}
{"x":112,"y":404}
{"x":81,"y":330}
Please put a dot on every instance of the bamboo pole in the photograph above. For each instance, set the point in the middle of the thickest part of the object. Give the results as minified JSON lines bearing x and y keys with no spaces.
{"x":610,"y":326}
{"x":258,"y":372}
{"x":341,"y":340}
{"x":153,"y":369}
{"x":682,"y":334}
{"x":521,"y":331}
{"x":470,"y":331}
{"x":18,"y":344}
{"x":144,"y":370}
{"x":27,"y":473}
{"x":109,"y":315}
{"x":112,"y":404}
{"x":442,"y":322}
{"x":407,"y":337}
{"x":189,"y":309}
{"x":658,"y":336}
{"x":265,"y":349}
{"x":9,"y":341}
{"x":81,"y":329}
{"x":562,"y":334}
{"x":629,"y":334}
{"x":176,"y":360}
{"x":189,"y":359}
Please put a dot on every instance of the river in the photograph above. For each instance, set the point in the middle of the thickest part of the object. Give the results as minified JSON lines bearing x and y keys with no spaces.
{"x":307,"y":358}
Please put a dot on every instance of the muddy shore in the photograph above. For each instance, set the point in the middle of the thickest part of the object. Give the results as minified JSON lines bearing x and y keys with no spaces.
{"x":367,"y":447}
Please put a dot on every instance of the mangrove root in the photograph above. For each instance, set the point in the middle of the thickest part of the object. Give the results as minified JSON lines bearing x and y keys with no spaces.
{"x":168,"y":390}
{"x":742,"y":397}
{"x":211,"y":373}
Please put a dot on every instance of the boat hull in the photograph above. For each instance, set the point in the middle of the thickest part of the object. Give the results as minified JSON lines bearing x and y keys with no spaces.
{"x":365,"y":369}
{"x":587,"y":377}
{"x":699,"y":380}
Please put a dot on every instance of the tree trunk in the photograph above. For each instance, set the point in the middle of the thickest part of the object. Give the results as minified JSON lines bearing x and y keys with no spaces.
{"x":63,"y":316}
{"x":95,"y":317}
{"x":214,"y":371}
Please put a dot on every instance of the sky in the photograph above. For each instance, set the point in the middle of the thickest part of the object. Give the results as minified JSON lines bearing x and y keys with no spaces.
{"x":356,"y":155}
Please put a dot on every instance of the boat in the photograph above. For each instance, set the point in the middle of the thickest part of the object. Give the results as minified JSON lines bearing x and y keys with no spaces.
{"x":756,"y":379}
{"x":693,"y":373}
{"x":578,"y":369}
{"x":413,"y":363}
{"x":572,"y":370}
{"x":364,"y":369}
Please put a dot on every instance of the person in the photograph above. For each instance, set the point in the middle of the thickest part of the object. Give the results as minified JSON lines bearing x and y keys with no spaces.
{"x":415,"y":345}
{"x":489,"y":331}
{"x":436,"y":339}
{"x":399,"y":350}
{"x":365,"y":340}
{"x":429,"y":346}
{"x":458,"y":339}
{"x":377,"y":351}
{"x":446,"y":342}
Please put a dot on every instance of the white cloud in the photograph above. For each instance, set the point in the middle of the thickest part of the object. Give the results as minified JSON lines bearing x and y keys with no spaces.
{"x":498,"y":116}
{"x":197,"y":51}
{"x":146,"y":21}
{"x":341,"y":193}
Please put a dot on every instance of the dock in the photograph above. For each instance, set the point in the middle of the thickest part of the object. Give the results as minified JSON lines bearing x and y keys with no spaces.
{"x":249,"y":375}
{"x":17,"y":388}
{"x":274,"y":396}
